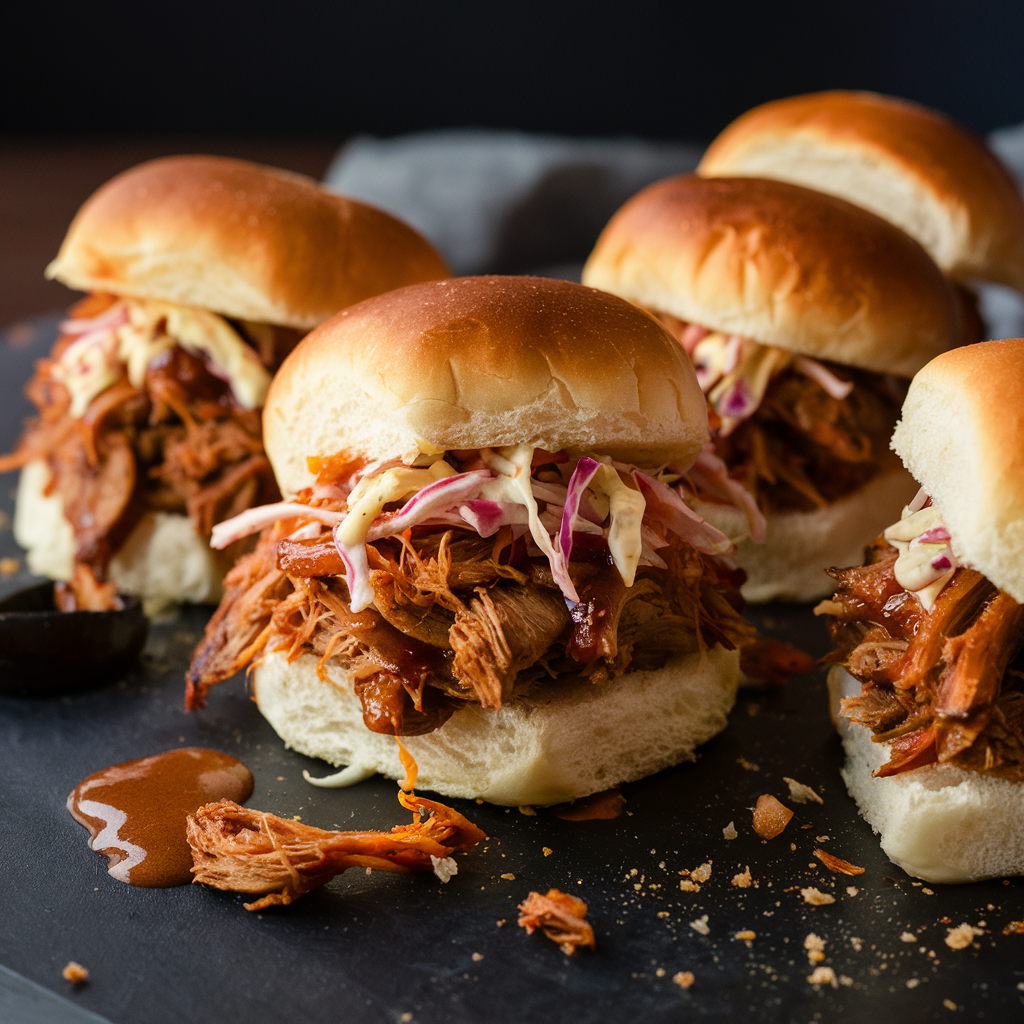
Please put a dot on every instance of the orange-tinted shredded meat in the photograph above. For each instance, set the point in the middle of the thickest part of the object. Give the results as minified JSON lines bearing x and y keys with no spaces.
{"x":254,"y":852}
{"x":946,"y":685}
{"x":179,"y":443}
{"x":562,"y":918}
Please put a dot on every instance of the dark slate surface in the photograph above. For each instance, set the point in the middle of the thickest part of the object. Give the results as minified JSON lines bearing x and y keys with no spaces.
{"x":386,"y":948}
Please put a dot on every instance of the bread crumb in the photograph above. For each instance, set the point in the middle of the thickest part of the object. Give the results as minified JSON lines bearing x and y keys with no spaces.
{"x":479,"y":799}
{"x":852,"y":890}
{"x":684,"y":979}
{"x":546,"y":850}
{"x":701,"y":925}
{"x":908,"y":937}
{"x":527,"y":809}
{"x":477,"y":957}
{"x":816,"y":898}
{"x":746,"y":936}
{"x":823,"y":976}
{"x":815,"y":946}
{"x":799,"y":793}
{"x":687,"y":886}
{"x":702,"y":873}
{"x":845,"y":980}
{"x":913,"y":982}
{"x":792,"y":847}
{"x":742,"y":880}
{"x":928,"y":892}
{"x":75,"y":973}
{"x":405,"y":1018}
{"x":961,"y":936}
{"x":949,"y":1004}
{"x":770,"y":816}
{"x":748,"y":765}
{"x":501,"y":923}
{"x":1014,"y":928}
{"x":660,"y":972}
{"x":509,"y":877}
{"x":729,"y":832}
{"x":9,"y":566}
{"x":662,"y":913}
{"x":856,"y":944}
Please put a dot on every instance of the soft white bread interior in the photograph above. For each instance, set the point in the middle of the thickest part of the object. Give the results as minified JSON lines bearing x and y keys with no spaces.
{"x":163,"y":560}
{"x":790,"y":565}
{"x":782,"y":265}
{"x":962,"y":437}
{"x":485,"y":361}
{"x":240,"y":239}
{"x":562,"y":742}
{"x":938,"y":823}
{"x":909,"y":165}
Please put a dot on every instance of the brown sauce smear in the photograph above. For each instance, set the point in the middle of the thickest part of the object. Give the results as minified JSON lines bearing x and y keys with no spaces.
{"x":136,"y":811}
{"x":606,"y":805}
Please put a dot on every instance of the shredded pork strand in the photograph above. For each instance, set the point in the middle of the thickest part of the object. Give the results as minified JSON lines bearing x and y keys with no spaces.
{"x":278,"y":859}
{"x":562,"y":918}
{"x":939,"y":686}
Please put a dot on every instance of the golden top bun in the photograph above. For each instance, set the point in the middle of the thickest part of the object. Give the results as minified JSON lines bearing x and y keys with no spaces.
{"x":783,"y":265}
{"x":907,"y":164}
{"x":962,"y":438}
{"x":240,"y":239}
{"x":485,"y":361}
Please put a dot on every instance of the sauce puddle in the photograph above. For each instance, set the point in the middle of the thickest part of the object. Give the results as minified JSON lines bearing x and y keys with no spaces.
{"x":136,"y":811}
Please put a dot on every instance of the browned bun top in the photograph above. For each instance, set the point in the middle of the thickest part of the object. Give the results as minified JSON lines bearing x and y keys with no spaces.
{"x":485,"y":362}
{"x":962,"y":437}
{"x":908,"y":164}
{"x":240,"y":239}
{"x":783,"y":265}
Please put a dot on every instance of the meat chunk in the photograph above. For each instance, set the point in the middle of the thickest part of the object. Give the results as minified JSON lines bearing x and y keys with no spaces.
{"x":501,"y":632}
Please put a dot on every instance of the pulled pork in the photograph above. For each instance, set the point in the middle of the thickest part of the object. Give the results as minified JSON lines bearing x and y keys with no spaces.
{"x":457,"y":617}
{"x":561,"y":917}
{"x":180,"y":443}
{"x":803,"y":449}
{"x":279,"y":859}
{"x":942,"y":686}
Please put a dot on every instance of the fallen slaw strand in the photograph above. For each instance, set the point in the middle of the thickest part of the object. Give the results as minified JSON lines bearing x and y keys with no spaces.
{"x":926,"y":562}
{"x":630,"y":508}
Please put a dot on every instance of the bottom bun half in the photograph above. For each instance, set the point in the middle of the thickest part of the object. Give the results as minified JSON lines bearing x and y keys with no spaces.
{"x":163,"y":560}
{"x":567,"y":741}
{"x":790,"y":565}
{"x":938,"y":823}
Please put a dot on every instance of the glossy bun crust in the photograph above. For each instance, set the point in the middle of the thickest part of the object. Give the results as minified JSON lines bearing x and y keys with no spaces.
{"x":782,"y":265}
{"x":909,"y":165}
{"x":240,"y":239}
{"x":485,"y":361}
{"x":962,"y":438}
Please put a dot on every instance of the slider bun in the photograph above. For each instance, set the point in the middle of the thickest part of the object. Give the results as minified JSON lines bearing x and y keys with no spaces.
{"x":782,"y":265}
{"x":485,"y":361}
{"x":567,"y":740}
{"x":240,"y":239}
{"x":909,"y":165}
{"x":163,"y":560}
{"x":938,"y":823}
{"x":790,"y":565}
{"x":962,"y":437}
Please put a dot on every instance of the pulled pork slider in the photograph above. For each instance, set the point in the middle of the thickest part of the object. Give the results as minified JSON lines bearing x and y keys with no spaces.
{"x":917,"y":169}
{"x":203,"y":274}
{"x":486,"y":550}
{"x":929,"y":680}
{"x":804,"y":316}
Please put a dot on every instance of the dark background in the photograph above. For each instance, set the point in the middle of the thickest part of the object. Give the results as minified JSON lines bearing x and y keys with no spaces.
{"x":658,"y":69}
